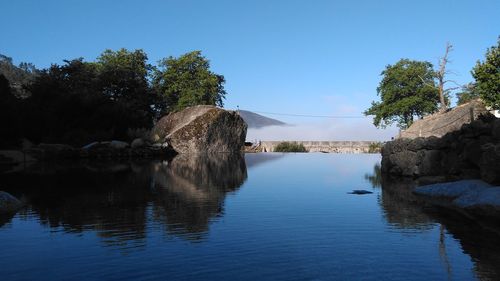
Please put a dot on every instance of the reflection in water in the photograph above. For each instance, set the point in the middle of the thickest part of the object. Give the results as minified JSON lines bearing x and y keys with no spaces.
{"x":192,"y":189}
{"x":376,"y":177}
{"x":116,"y":200}
{"x":478,"y":237}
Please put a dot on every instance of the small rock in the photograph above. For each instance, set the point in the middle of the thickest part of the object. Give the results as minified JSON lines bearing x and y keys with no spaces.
{"x":360,"y":192}
{"x":90,"y":145}
{"x":118,"y":144}
{"x":9,"y":203}
{"x":137,"y":143}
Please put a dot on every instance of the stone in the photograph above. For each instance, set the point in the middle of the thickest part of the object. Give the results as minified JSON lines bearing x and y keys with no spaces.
{"x":118,"y":144}
{"x":451,"y":189}
{"x":495,"y":129}
{"x":441,"y":123}
{"x":490,"y":163}
{"x":90,"y":145}
{"x":429,"y":162}
{"x":138,"y":143}
{"x":403,"y":163}
{"x":202,"y":129}
{"x":360,"y":192}
{"x":466,"y":194}
{"x":9,"y":203}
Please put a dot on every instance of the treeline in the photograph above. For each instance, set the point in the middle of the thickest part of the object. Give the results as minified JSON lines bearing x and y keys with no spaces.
{"x":117,"y":96}
{"x":410,"y":88}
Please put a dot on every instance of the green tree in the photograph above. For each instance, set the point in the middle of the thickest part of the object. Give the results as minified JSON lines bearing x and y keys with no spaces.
{"x":467,"y":94}
{"x":18,"y":76}
{"x":407,"y":90}
{"x":188,"y":81}
{"x":123,"y":77}
{"x":487,"y":75}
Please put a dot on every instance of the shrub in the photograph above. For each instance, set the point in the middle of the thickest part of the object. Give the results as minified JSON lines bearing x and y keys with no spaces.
{"x":375,"y":147}
{"x":290,"y":147}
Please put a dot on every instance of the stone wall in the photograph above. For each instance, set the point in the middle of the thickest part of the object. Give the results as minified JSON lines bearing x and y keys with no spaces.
{"x":324,"y":146}
{"x":473,"y":151}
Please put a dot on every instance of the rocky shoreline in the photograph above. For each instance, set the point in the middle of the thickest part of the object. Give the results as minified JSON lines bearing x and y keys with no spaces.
{"x":462,"y":167}
{"x":473,"y":152}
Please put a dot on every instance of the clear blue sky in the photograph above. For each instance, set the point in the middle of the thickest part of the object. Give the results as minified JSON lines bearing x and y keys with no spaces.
{"x":308,"y":57}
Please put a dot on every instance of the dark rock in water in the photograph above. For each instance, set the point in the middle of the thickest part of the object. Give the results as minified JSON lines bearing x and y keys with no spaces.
{"x":202,"y":128}
{"x":360,"y":192}
{"x":9,"y":203}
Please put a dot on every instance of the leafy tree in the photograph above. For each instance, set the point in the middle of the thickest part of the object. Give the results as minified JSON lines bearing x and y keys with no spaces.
{"x":407,"y":90}
{"x":123,"y":77}
{"x":467,"y":94}
{"x":18,"y":76}
{"x":487,"y":75}
{"x":188,"y":81}
{"x":9,"y":116}
{"x":79,"y":102}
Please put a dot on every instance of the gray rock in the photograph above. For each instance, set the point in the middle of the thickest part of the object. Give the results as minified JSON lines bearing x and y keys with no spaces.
{"x":9,"y":203}
{"x":203,"y":128}
{"x":495,"y":130}
{"x":490,"y":163}
{"x":118,"y":144}
{"x":429,"y":162}
{"x":403,"y":163}
{"x":451,"y":189}
{"x":90,"y":145}
{"x":138,"y":143}
{"x":467,"y":194}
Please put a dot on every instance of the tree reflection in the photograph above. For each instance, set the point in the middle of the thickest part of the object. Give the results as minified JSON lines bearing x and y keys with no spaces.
{"x":117,"y":200}
{"x":477,"y":235}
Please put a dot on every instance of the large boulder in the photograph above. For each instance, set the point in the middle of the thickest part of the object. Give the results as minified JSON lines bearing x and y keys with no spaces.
{"x":201,"y":129}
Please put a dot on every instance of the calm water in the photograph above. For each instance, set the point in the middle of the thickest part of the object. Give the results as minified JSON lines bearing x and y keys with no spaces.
{"x":262,"y":217}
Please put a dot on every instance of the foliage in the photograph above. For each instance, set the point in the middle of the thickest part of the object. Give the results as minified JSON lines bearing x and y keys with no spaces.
{"x":188,"y":81}
{"x":123,"y":77}
{"x":487,"y":75}
{"x":111,"y":98}
{"x":407,"y":90}
{"x":79,"y":101}
{"x":17,"y":76}
{"x":375,"y":147}
{"x":9,"y":121}
{"x":290,"y":147}
{"x":467,"y":94}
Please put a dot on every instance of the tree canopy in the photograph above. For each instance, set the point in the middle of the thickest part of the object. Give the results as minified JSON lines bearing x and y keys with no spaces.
{"x":187,"y":81}
{"x":487,"y":76}
{"x":120,"y":92}
{"x":407,"y":90}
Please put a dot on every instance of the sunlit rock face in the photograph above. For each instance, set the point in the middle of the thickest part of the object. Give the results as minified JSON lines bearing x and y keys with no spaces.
{"x":439,"y":124}
{"x":202,"y":128}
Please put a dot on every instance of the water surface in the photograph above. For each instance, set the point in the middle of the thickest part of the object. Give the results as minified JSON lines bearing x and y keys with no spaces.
{"x":262,"y":217}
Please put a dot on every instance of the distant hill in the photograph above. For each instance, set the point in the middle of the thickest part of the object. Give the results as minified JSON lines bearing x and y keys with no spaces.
{"x":255,"y":120}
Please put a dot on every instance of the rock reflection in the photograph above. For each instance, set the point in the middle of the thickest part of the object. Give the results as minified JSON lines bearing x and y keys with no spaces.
{"x":119,"y":201}
{"x":192,"y":189}
{"x":478,"y":236}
